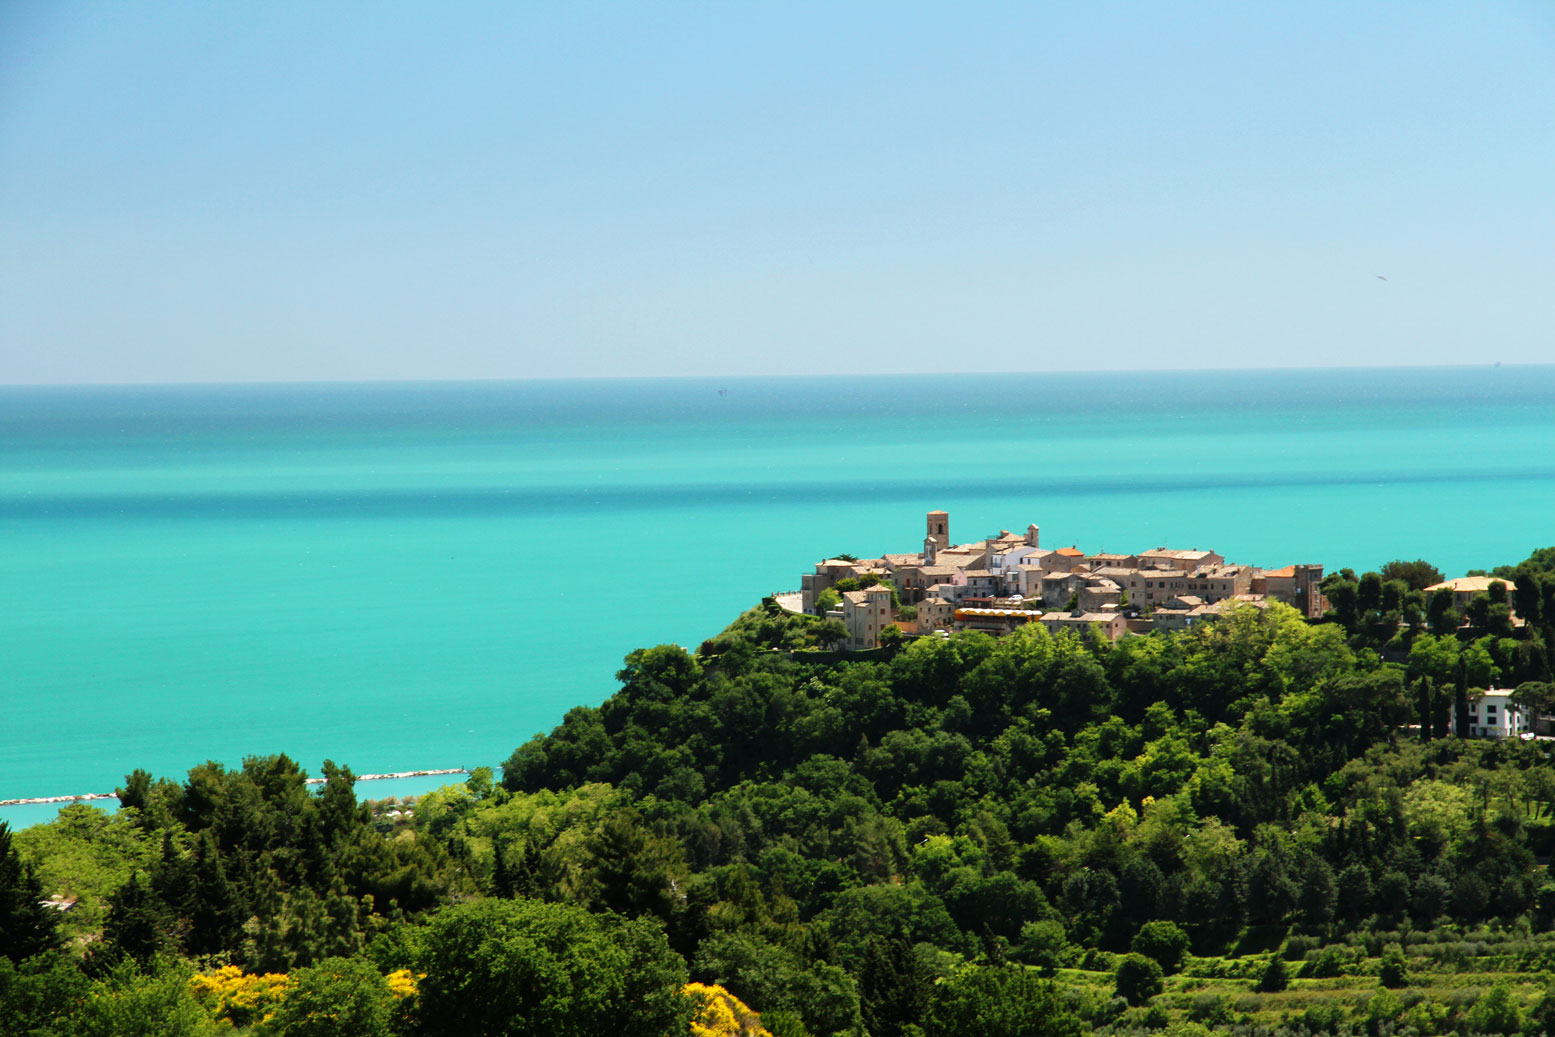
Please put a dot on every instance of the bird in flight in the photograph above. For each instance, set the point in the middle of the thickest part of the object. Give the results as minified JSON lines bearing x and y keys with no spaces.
{"x":1381,"y":278}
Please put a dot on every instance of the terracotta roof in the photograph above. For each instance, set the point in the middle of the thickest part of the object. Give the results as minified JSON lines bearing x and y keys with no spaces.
{"x":958,"y":559}
{"x":1070,"y":552}
{"x":1283,"y":574}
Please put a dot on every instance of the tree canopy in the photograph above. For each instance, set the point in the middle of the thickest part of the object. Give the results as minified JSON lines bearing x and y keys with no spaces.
{"x":936,"y":839}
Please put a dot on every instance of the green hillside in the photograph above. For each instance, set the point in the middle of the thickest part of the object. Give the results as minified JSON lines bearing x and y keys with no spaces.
{"x":1260,"y":826}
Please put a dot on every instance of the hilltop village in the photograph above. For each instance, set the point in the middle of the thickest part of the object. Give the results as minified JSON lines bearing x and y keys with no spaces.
{"x":1008,"y":580}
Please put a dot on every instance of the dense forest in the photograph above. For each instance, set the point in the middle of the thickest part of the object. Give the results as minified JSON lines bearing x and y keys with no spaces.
{"x":1260,"y":826}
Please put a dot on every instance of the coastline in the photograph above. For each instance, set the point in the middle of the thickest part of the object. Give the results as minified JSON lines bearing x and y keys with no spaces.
{"x":43,"y":800}
{"x":120,"y":571}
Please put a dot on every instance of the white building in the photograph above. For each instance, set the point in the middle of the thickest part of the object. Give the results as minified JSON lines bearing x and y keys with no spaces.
{"x":1494,"y":715}
{"x":1023,"y":554}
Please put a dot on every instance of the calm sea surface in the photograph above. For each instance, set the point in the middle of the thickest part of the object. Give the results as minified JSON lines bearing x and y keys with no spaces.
{"x":420,"y":576}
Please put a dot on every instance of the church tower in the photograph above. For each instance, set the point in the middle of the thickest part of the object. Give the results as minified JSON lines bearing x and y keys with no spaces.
{"x":1032,"y":535}
{"x":938,"y":528}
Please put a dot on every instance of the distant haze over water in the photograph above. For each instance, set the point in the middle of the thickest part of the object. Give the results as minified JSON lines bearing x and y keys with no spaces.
{"x":402,"y":576}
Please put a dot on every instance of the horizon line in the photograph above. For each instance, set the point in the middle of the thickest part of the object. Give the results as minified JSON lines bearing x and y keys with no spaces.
{"x":479,"y":380}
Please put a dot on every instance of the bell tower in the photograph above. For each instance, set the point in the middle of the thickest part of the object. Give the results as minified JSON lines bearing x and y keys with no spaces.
{"x":938,"y":528}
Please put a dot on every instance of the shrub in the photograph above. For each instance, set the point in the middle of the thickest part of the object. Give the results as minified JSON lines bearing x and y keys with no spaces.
{"x":1322,"y":1018}
{"x":242,"y":1000}
{"x":1275,"y":977}
{"x":1139,"y":979}
{"x":1297,"y":947}
{"x":339,"y":996}
{"x":130,"y":1001}
{"x":1155,"y":1018}
{"x":999,"y":1002}
{"x":1382,"y":1011}
{"x":1326,"y":964}
{"x":1213,"y":1009}
{"x":1164,"y":942}
{"x":1043,"y":944}
{"x":721,"y":1014}
{"x":1496,"y":1012}
{"x":1247,"y":1004}
{"x":784,"y":1024}
{"x":1394,"y":971}
{"x":1098,"y":960}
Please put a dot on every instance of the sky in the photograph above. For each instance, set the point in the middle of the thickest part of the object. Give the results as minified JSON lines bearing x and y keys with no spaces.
{"x":299,"y":191}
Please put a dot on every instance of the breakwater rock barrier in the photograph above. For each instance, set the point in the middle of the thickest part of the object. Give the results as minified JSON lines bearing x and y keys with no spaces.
{"x":311,"y":781}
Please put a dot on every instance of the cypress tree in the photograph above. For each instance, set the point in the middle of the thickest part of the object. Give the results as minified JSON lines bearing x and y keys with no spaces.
{"x":1460,"y":700}
{"x":1427,"y":706}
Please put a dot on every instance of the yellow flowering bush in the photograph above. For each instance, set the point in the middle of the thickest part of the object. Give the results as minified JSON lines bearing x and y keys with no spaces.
{"x":722,"y":1014}
{"x":402,"y":983}
{"x":240,"y":999}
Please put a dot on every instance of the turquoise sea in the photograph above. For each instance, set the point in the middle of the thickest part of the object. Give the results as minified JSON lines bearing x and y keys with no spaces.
{"x":402,"y":576}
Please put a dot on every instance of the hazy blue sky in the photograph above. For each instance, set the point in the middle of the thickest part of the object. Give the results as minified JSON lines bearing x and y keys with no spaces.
{"x":199,"y":191}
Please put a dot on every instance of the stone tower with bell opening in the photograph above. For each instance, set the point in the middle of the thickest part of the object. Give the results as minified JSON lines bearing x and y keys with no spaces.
{"x":937,"y":529}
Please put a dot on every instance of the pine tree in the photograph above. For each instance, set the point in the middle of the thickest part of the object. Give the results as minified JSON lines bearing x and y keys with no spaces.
{"x":137,"y":922}
{"x":26,"y":926}
{"x":893,"y":988}
{"x":215,"y":918}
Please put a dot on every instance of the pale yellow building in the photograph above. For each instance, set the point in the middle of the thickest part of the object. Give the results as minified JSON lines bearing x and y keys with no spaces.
{"x":866,"y":613}
{"x":1466,"y":588}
